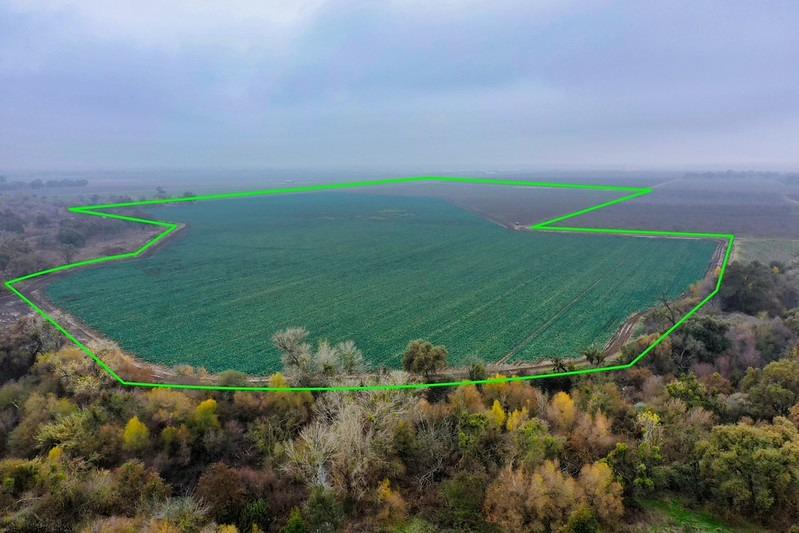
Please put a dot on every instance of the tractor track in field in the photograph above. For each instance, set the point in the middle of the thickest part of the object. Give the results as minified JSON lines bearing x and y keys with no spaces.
{"x":546,"y":325}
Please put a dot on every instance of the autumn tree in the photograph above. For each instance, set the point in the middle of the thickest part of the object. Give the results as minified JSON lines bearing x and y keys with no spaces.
{"x":497,"y":414}
{"x":167,"y":406}
{"x":561,"y":411}
{"x":136,"y":436}
{"x":603,"y":494}
{"x":548,"y":499}
{"x":538,"y":501}
{"x":136,"y":485}
{"x":513,"y":395}
{"x":393,"y":508}
{"x":222,"y":489}
{"x":204,"y":417}
{"x":591,"y":438}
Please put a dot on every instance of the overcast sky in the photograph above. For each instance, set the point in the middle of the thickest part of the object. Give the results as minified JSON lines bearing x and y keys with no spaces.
{"x":483,"y":84}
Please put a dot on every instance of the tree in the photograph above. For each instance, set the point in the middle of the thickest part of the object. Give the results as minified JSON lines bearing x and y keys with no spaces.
{"x":591,"y":437}
{"x":232,"y":378}
{"x":562,"y":411}
{"x":349,"y":358}
{"x":222,"y":489}
{"x":421,"y":357}
{"x":497,"y":415}
{"x":478,"y":438}
{"x":298,"y":360}
{"x":649,"y":449}
{"x":702,"y":339}
{"x":602,"y":492}
{"x":205,"y":417}
{"x":712,"y":333}
{"x":11,"y":222}
{"x":594,"y":355}
{"x":136,"y":485}
{"x":136,"y":436}
{"x":539,"y":501}
{"x":754,"y":287}
{"x":516,"y":418}
{"x":691,"y":391}
{"x":323,"y":512}
{"x":71,"y":237}
{"x":774,"y":389}
{"x":753,"y":469}
{"x":393,"y":508}
{"x":532,"y":444}
{"x":296,"y":523}
{"x":792,"y":320}
{"x":167,"y":406}
{"x":558,"y":365}
{"x":547,"y":499}
{"x":463,"y":495}
{"x":308,"y":367}
{"x":477,"y":371}
{"x":22,"y":342}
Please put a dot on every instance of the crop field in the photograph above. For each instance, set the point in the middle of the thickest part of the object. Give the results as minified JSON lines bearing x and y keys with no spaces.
{"x":767,"y":250}
{"x":380,"y":270}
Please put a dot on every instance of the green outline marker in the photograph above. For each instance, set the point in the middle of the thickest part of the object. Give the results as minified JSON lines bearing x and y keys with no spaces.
{"x":548,"y":225}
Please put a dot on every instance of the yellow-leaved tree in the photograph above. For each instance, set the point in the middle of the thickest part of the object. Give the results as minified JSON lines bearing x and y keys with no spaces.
{"x":393,"y":508}
{"x":205,"y":417}
{"x":497,"y":414}
{"x":516,"y":419}
{"x":136,"y":436}
{"x":561,"y":411}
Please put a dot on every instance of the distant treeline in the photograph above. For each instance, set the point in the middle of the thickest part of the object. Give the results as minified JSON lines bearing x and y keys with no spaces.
{"x":789,"y":177}
{"x":6,"y":185}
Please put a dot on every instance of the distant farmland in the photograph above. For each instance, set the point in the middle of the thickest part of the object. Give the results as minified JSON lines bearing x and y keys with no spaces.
{"x":380,"y":270}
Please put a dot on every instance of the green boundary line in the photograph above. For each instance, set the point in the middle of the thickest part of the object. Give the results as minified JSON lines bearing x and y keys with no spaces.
{"x":631,"y":193}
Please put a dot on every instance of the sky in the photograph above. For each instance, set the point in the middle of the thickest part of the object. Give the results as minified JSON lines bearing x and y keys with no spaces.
{"x":494,"y":84}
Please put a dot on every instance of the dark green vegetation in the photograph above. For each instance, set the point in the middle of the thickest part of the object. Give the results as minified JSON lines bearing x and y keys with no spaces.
{"x":754,"y":287}
{"x":378,"y":270}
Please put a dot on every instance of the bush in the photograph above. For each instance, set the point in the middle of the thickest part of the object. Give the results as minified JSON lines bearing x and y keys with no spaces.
{"x":463,"y":496}
{"x":135,"y":485}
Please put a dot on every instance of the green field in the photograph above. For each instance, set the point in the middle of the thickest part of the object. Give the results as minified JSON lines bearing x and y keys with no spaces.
{"x":380,"y":270}
{"x":767,"y":250}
